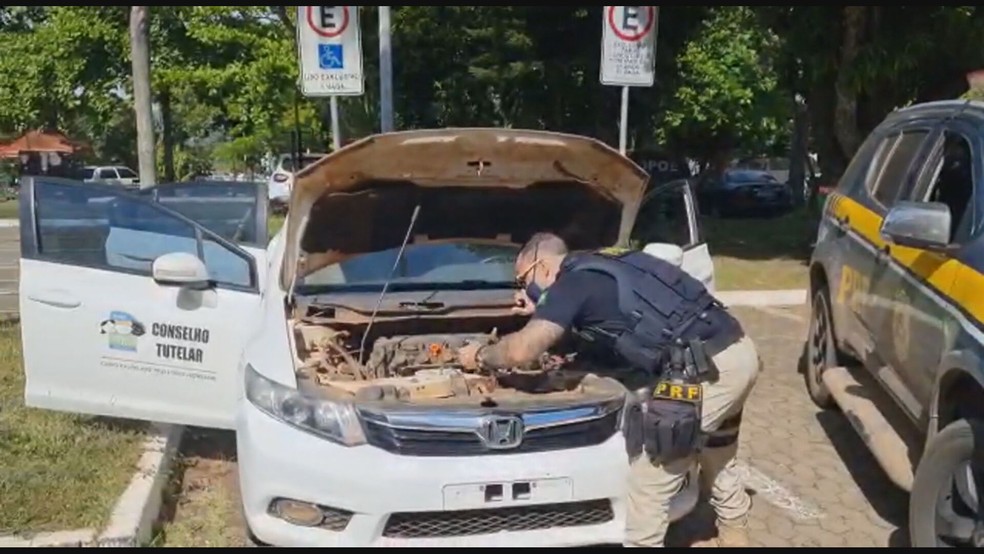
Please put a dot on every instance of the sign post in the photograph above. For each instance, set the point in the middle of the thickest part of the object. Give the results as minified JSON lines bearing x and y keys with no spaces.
{"x":628,"y":54}
{"x":329,"y":46}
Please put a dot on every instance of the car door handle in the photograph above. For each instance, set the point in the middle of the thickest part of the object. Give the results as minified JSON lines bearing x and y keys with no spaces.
{"x":58,"y":299}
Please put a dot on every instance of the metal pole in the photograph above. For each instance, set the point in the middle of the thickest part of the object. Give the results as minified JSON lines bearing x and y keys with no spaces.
{"x":296,"y":153}
{"x":623,"y":127}
{"x":336,"y":132}
{"x":385,"y":71}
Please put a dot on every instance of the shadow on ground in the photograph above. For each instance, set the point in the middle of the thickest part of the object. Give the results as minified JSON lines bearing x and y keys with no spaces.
{"x":887,"y":500}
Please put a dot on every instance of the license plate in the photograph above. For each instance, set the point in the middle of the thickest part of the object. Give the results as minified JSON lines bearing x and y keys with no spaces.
{"x":470,"y":496}
{"x":766,"y":194}
{"x":681,"y":392}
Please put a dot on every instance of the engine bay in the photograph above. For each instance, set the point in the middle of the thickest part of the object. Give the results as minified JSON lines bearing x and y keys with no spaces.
{"x":423,"y":366}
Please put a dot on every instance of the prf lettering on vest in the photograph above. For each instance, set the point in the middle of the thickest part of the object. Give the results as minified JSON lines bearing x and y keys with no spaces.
{"x":853,"y":286}
{"x":677,"y":392}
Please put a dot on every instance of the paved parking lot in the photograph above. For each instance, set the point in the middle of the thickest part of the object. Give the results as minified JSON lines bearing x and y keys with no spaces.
{"x":812,"y":479}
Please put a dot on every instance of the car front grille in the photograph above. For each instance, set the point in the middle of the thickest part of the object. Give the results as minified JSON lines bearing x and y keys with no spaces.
{"x":420,"y":525}
{"x":420,"y":442}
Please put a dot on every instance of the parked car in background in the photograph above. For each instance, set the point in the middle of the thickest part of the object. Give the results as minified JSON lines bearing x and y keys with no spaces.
{"x":742,"y":191}
{"x":282,"y":178}
{"x":111,"y":175}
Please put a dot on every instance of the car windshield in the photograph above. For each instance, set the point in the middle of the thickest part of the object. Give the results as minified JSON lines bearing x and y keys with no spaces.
{"x":125,"y":172}
{"x":452,"y":266}
{"x":88,"y":172}
{"x":306,"y":160}
{"x":749,"y":176}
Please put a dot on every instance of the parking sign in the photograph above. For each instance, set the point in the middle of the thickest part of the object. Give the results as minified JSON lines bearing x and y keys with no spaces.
{"x":330,"y":50}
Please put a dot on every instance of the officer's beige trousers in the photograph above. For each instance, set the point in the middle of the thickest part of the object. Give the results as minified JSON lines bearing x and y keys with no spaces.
{"x":652,"y":486}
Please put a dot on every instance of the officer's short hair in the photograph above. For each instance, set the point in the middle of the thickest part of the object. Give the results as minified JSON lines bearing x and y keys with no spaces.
{"x":543,"y":244}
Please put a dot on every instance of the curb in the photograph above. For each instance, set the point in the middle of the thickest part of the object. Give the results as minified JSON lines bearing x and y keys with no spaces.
{"x":136,"y":510}
{"x":9,"y":223}
{"x":761,"y":298}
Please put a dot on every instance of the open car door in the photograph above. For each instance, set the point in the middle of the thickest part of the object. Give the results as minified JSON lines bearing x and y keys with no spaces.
{"x":235,"y":210}
{"x":128,"y":308}
{"x":668,"y":216}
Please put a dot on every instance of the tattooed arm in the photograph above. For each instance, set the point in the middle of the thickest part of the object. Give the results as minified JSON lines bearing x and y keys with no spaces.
{"x":523,"y":346}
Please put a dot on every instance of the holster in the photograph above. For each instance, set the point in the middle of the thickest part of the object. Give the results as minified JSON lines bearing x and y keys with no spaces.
{"x":671,"y":429}
{"x":632,"y":429}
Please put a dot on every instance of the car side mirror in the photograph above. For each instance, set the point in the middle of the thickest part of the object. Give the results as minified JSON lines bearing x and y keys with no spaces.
{"x":181,"y":269}
{"x":923,"y":225}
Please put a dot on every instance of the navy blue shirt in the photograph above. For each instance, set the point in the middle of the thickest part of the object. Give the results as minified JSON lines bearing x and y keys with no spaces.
{"x":579,"y":299}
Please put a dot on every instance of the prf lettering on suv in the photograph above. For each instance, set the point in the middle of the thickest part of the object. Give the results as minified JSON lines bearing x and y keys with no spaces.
{"x":897,"y":330}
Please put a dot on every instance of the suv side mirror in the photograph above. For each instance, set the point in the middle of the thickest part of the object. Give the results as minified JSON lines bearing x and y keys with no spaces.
{"x":181,"y":269}
{"x":918,"y":225}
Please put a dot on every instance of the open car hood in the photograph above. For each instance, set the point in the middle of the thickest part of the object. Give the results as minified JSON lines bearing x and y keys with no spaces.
{"x":495,"y":185}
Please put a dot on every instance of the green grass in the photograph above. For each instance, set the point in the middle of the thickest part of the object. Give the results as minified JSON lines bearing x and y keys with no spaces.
{"x":761,"y":253}
{"x":8,"y":209}
{"x":58,"y":471}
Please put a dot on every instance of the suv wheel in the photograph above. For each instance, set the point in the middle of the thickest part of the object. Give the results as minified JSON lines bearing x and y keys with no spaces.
{"x":945,"y":507}
{"x":821,"y":349}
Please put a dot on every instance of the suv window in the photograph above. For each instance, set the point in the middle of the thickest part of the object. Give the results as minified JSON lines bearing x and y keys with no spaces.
{"x":886,"y":178}
{"x":106,"y":173}
{"x":949,"y":178}
{"x":126,"y":172}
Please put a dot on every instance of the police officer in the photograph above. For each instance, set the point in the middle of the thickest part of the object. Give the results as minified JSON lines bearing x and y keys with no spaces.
{"x":664,"y":325}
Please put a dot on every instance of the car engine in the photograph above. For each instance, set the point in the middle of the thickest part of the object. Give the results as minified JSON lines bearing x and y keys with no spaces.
{"x":416,"y":367}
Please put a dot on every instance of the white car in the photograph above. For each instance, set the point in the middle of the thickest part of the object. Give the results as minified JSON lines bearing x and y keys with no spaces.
{"x":354,"y":425}
{"x":111,"y":175}
{"x":282,"y":178}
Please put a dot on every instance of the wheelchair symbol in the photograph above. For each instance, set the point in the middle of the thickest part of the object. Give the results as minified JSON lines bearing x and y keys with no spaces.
{"x":330,"y":56}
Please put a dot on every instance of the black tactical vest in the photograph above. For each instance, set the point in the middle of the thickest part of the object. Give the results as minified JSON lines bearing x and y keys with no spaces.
{"x":660,"y":304}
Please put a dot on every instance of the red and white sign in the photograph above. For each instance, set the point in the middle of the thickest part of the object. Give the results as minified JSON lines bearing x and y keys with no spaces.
{"x":330,"y":50}
{"x":628,"y":45}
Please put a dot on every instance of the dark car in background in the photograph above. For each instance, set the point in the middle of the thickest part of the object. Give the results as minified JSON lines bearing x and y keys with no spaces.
{"x":742,"y":192}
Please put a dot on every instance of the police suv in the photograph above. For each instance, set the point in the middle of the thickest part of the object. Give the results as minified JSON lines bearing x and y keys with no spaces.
{"x":897,"y":331}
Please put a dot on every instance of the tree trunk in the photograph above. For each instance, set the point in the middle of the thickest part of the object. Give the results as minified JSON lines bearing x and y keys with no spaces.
{"x":167,"y":135}
{"x":140,"y":57}
{"x":845,"y":112}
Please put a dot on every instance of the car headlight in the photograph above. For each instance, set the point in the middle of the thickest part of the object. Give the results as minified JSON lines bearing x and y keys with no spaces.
{"x":335,"y":421}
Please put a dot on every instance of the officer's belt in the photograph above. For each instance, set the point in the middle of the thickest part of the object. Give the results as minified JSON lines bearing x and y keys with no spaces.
{"x":722,"y":341}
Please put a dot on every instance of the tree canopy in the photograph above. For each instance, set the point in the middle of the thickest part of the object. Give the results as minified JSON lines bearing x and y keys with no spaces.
{"x":224,"y":77}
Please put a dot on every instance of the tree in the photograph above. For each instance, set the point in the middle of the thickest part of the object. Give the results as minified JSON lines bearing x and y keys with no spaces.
{"x":729,"y":98}
{"x":855,"y":64}
{"x":140,"y":57}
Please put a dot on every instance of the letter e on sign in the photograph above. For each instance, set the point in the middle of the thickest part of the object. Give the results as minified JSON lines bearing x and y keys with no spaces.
{"x":628,"y":45}
{"x":329,"y":48}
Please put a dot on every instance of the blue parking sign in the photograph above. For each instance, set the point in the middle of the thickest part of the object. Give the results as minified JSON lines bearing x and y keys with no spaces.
{"x":330,"y":56}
